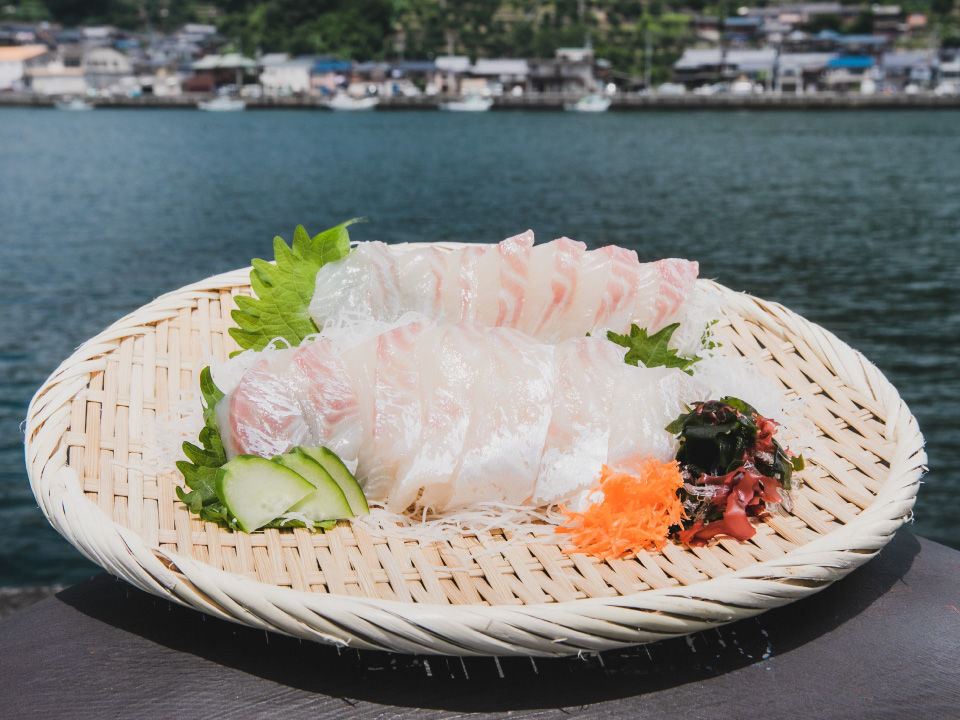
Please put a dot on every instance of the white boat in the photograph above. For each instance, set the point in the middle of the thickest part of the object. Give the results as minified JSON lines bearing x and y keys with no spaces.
{"x":589,"y":103}
{"x":222,"y":103}
{"x":342,"y":101}
{"x":75,"y":104}
{"x":471,"y":103}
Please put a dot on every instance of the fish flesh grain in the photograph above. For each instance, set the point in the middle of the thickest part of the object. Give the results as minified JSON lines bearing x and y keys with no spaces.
{"x":551,"y":291}
{"x":443,"y":415}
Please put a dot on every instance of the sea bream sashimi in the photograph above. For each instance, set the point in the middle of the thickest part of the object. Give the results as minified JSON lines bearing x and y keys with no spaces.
{"x":445,"y":415}
{"x":552,"y":291}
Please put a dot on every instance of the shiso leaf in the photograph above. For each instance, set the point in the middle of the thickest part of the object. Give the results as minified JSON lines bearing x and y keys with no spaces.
{"x":652,"y":350}
{"x":200,"y":468}
{"x":285,"y":287}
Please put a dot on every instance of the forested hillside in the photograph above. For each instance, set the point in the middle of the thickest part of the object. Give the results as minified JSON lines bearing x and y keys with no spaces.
{"x":388,"y":29}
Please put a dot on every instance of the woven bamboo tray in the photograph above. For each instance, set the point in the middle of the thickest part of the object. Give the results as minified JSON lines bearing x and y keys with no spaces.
{"x":476,"y":595}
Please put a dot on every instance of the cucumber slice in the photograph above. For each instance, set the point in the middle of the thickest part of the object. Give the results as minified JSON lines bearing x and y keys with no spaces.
{"x":327,"y":502}
{"x":256,"y":490}
{"x":342,"y":476}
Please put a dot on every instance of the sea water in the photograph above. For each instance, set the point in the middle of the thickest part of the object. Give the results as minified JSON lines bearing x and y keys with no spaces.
{"x":851,"y":219}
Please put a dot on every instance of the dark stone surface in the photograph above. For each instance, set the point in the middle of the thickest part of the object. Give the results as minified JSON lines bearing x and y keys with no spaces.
{"x":882,"y":643}
{"x":15,"y":599}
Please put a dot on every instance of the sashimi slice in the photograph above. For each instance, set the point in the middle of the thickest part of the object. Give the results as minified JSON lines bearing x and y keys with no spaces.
{"x":488,"y":286}
{"x":619,"y":295}
{"x":677,"y":279}
{"x":659,"y":396}
{"x":364,"y":283}
{"x":514,"y":273}
{"x":397,"y":407}
{"x":331,"y":404}
{"x":262,"y":416}
{"x":420,"y":273}
{"x":551,"y":286}
{"x":449,"y":380}
{"x":468,"y":283}
{"x":581,"y":420}
{"x":360,"y":360}
{"x":511,"y":416}
{"x":581,"y":315}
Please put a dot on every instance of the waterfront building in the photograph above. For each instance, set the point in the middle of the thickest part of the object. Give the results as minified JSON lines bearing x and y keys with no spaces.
{"x":282,"y":75}
{"x":55,"y":78}
{"x":450,"y":70}
{"x":698,"y":66}
{"x":797,"y":72}
{"x":328,"y":73}
{"x":216,"y":71}
{"x":908,"y":66}
{"x":16,"y":60}
{"x":847,"y":72}
{"x":106,"y":69}
{"x":409,"y":78}
{"x":497,"y":76}
{"x":572,"y":71}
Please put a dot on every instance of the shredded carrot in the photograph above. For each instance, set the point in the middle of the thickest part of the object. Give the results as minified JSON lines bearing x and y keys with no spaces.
{"x":635,"y":514}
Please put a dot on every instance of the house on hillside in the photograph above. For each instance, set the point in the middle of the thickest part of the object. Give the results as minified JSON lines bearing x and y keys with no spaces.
{"x":15,"y":60}
{"x":698,"y":66}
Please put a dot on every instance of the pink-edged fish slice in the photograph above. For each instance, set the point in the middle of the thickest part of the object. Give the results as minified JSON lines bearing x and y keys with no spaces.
{"x":514,"y":255}
{"x":263,"y":414}
{"x":677,"y":280}
{"x":421,"y":274}
{"x":552,"y":286}
{"x":332,"y":407}
{"x":397,"y":413}
{"x":624,"y":280}
{"x":468,"y":280}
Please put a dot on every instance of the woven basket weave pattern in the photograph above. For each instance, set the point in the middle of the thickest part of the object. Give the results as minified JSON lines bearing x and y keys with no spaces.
{"x":475,"y":594}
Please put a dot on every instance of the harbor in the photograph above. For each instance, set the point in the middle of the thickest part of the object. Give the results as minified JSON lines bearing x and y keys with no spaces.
{"x":626,"y":102}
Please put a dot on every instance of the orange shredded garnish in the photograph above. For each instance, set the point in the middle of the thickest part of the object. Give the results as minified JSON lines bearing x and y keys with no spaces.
{"x":635,"y":514}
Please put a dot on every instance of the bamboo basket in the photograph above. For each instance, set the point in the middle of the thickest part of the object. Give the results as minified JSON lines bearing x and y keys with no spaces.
{"x":476,"y":595}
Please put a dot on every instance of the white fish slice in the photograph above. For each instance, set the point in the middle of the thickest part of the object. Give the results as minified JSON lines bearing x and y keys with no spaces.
{"x":511,"y":415}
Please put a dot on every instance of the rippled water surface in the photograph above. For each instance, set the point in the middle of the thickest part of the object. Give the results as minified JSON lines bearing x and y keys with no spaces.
{"x":851,"y":219}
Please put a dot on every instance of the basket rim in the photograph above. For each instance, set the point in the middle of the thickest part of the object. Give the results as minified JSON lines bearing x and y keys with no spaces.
{"x":551,"y":628}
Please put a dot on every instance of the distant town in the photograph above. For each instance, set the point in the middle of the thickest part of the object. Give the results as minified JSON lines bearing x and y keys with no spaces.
{"x":792,"y":49}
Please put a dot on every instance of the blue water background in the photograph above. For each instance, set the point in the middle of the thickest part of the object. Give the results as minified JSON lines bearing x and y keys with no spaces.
{"x":851,"y":219}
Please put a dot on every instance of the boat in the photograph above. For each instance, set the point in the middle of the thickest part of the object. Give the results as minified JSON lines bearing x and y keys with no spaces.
{"x":589,"y":103}
{"x":74,"y":104}
{"x":342,"y":101}
{"x":221,"y":103}
{"x":471,"y":103}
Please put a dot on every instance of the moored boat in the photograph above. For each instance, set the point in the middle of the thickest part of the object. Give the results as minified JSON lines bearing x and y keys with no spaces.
{"x":471,"y":103}
{"x":589,"y":103}
{"x":344,"y":102}
{"x":74,"y":104}
{"x":222,"y":103}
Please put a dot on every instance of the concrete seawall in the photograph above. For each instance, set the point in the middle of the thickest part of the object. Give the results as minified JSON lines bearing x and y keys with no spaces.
{"x":813,"y":101}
